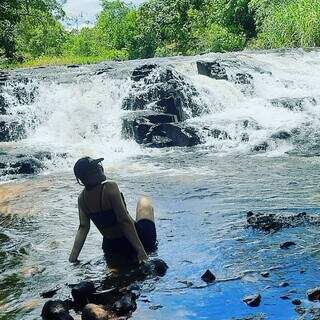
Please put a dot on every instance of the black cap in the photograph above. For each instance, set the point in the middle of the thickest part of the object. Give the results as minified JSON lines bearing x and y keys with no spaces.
{"x":86,"y":166}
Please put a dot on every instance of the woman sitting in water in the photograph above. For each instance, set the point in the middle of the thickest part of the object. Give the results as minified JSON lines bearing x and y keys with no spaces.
{"x":124,"y":239}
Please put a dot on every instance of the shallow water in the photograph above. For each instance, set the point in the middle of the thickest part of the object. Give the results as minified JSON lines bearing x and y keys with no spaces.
{"x":201,"y":194}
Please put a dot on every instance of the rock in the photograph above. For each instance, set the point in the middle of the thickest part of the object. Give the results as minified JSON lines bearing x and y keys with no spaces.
{"x":265,"y":274}
{"x":281,"y":135}
{"x":314,"y":294}
{"x":3,"y":105}
{"x":50,"y":293}
{"x":11,"y":130}
{"x":252,"y":300}
{"x":287,"y":244}
{"x":72,"y":66}
{"x":26,"y":166}
{"x":283,"y":284}
{"x":137,"y":125}
{"x":296,"y":302}
{"x":284,"y":298}
{"x":271,"y":222}
{"x":96,"y":312}
{"x":208,"y":277}
{"x":217,"y":133}
{"x":260,"y":147}
{"x":244,"y":78}
{"x":81,"y":293}
{"x":156,"y":307}
{"x":125,"y":305}
{"x":159,"y":267}
{"x":212,"y":69}
{"x":106,"y":297}
{"x":163,"y":90}
{"x":56,"y":310}
{"x":143,"y":71}
{"x":170,"y":135}
{"x":293,"y":103}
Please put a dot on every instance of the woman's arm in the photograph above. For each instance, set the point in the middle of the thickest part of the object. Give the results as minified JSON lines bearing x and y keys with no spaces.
{"x":84,"y":227}
{"x":126,"y":222}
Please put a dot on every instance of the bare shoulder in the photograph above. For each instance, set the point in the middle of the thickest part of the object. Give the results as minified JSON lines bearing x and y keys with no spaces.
{"x":111,"y":187}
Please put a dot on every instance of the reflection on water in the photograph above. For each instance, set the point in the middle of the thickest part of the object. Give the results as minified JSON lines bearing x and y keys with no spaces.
{"x":200,"y":205}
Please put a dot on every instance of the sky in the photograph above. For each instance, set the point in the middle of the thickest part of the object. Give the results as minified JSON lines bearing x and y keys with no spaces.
{"x":83,"y":12}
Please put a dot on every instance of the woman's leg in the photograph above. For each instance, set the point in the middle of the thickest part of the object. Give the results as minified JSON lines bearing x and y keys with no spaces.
{"x":144,"y":209}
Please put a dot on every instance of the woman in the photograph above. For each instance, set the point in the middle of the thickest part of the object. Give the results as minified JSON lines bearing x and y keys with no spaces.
{"x":124,"y":239}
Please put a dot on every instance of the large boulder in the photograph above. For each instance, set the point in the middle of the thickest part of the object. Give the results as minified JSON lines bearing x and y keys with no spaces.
{"x":163,"y":90}
{"x":56,"y":310}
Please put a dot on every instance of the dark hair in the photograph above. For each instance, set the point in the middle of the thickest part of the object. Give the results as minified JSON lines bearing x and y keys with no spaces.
{"x":89,"y":171}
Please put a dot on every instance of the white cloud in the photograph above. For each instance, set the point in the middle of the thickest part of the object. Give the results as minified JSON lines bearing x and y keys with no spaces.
{"x":85,"y":10}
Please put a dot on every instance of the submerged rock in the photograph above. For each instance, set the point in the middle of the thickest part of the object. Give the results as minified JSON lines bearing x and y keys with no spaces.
{"x":50,"y":293}
{"x":287,"y":244}
{"x":81,"y":293}
{"x":56,"y":310}
{"x":271,"y":222}
{"x":314,"y":294}
{"x":208,"y":277}
{"x":296,"y":302}
{"x":252,"y":300}
{"x":293,"y":103}
{"x":125,"y":305}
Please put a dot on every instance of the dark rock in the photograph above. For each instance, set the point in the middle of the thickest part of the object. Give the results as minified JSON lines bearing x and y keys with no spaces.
{"x":106,"y":297}
{"x":314,"y":294}
{"x":265,"y":274}
{"x":155,"y":307}
{"x":25,"y":166}
{"x":253,"y":300}
{"x":11,"y":130}
{"x":212,"y":69}
{"x":164,"y":91}
{"x":125,"y":305}
{"x":261,"y":147}
{"x":3,"y":105}
{"x":143,"y":71}
{"x":293,"y":103}
{"x":81,"y":293}
{"x":287,"y":244}
{"x":284,"y":298}
{"x":283,"y":284}
{"x":72,"y":66}
{"x":95,"y":312}
{"x":170,"y":135}
{"x":217,"y":133}
{"x":296,"y":302}
{"x":50,"y":293}
{"x":274,"y":222}
{"x":243,"y":78}
{"x":281,"y":135}
{"x":56,"y":310}
{"x":159,"y":267}
{"x":208,"y":277}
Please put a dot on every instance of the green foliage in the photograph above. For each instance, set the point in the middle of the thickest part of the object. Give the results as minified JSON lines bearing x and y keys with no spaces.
{"x":294,"y":23}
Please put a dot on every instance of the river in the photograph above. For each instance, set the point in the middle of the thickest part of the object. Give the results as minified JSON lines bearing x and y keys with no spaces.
{"x":201,"y":194}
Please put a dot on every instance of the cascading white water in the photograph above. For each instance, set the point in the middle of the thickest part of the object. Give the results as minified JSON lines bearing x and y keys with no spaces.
{"x":83,"y":117}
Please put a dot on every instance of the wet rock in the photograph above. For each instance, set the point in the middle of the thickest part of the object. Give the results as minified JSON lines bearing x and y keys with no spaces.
{"x":11,"y":130}
{"x":155,"y":307}
{"x":252,"y":300}
{"x":26,"y":166}
{"x":293,"y":103}
{"x":287,"y":245}
{"x":56,"y":310}
{"x":260,"y":147}
{"x":3,"y":105}
{"x":314,"y":294}
{"x":283,"y":284}
{"x":81,"y":293}
{"x":73,"y":66}
{"x":50,"y":293}
{"x":217,"y":133}
{"x":212,"y":69}
{"x":285,"y":298}
{"x":155,"y":267}
{"x":296,"y":302}
{"x":208,"y":277}
{"x":143,"y":71}
{"x":125,"y":305}
{"x":244,"y":78}
{"x":271,"y":222}
{"x":106,"y":297}
{"x":162,"y":90}
{"x":170,"y":135}
{"x":265,"y":274}
{"x":96,"y":312}
{"x":281,"y":135}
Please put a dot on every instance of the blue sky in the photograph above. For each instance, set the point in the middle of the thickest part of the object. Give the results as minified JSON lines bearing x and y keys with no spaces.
{"x":85,"y":10}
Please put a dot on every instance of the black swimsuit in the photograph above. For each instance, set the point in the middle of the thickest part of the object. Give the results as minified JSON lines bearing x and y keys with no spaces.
{"x":121,"y":246}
